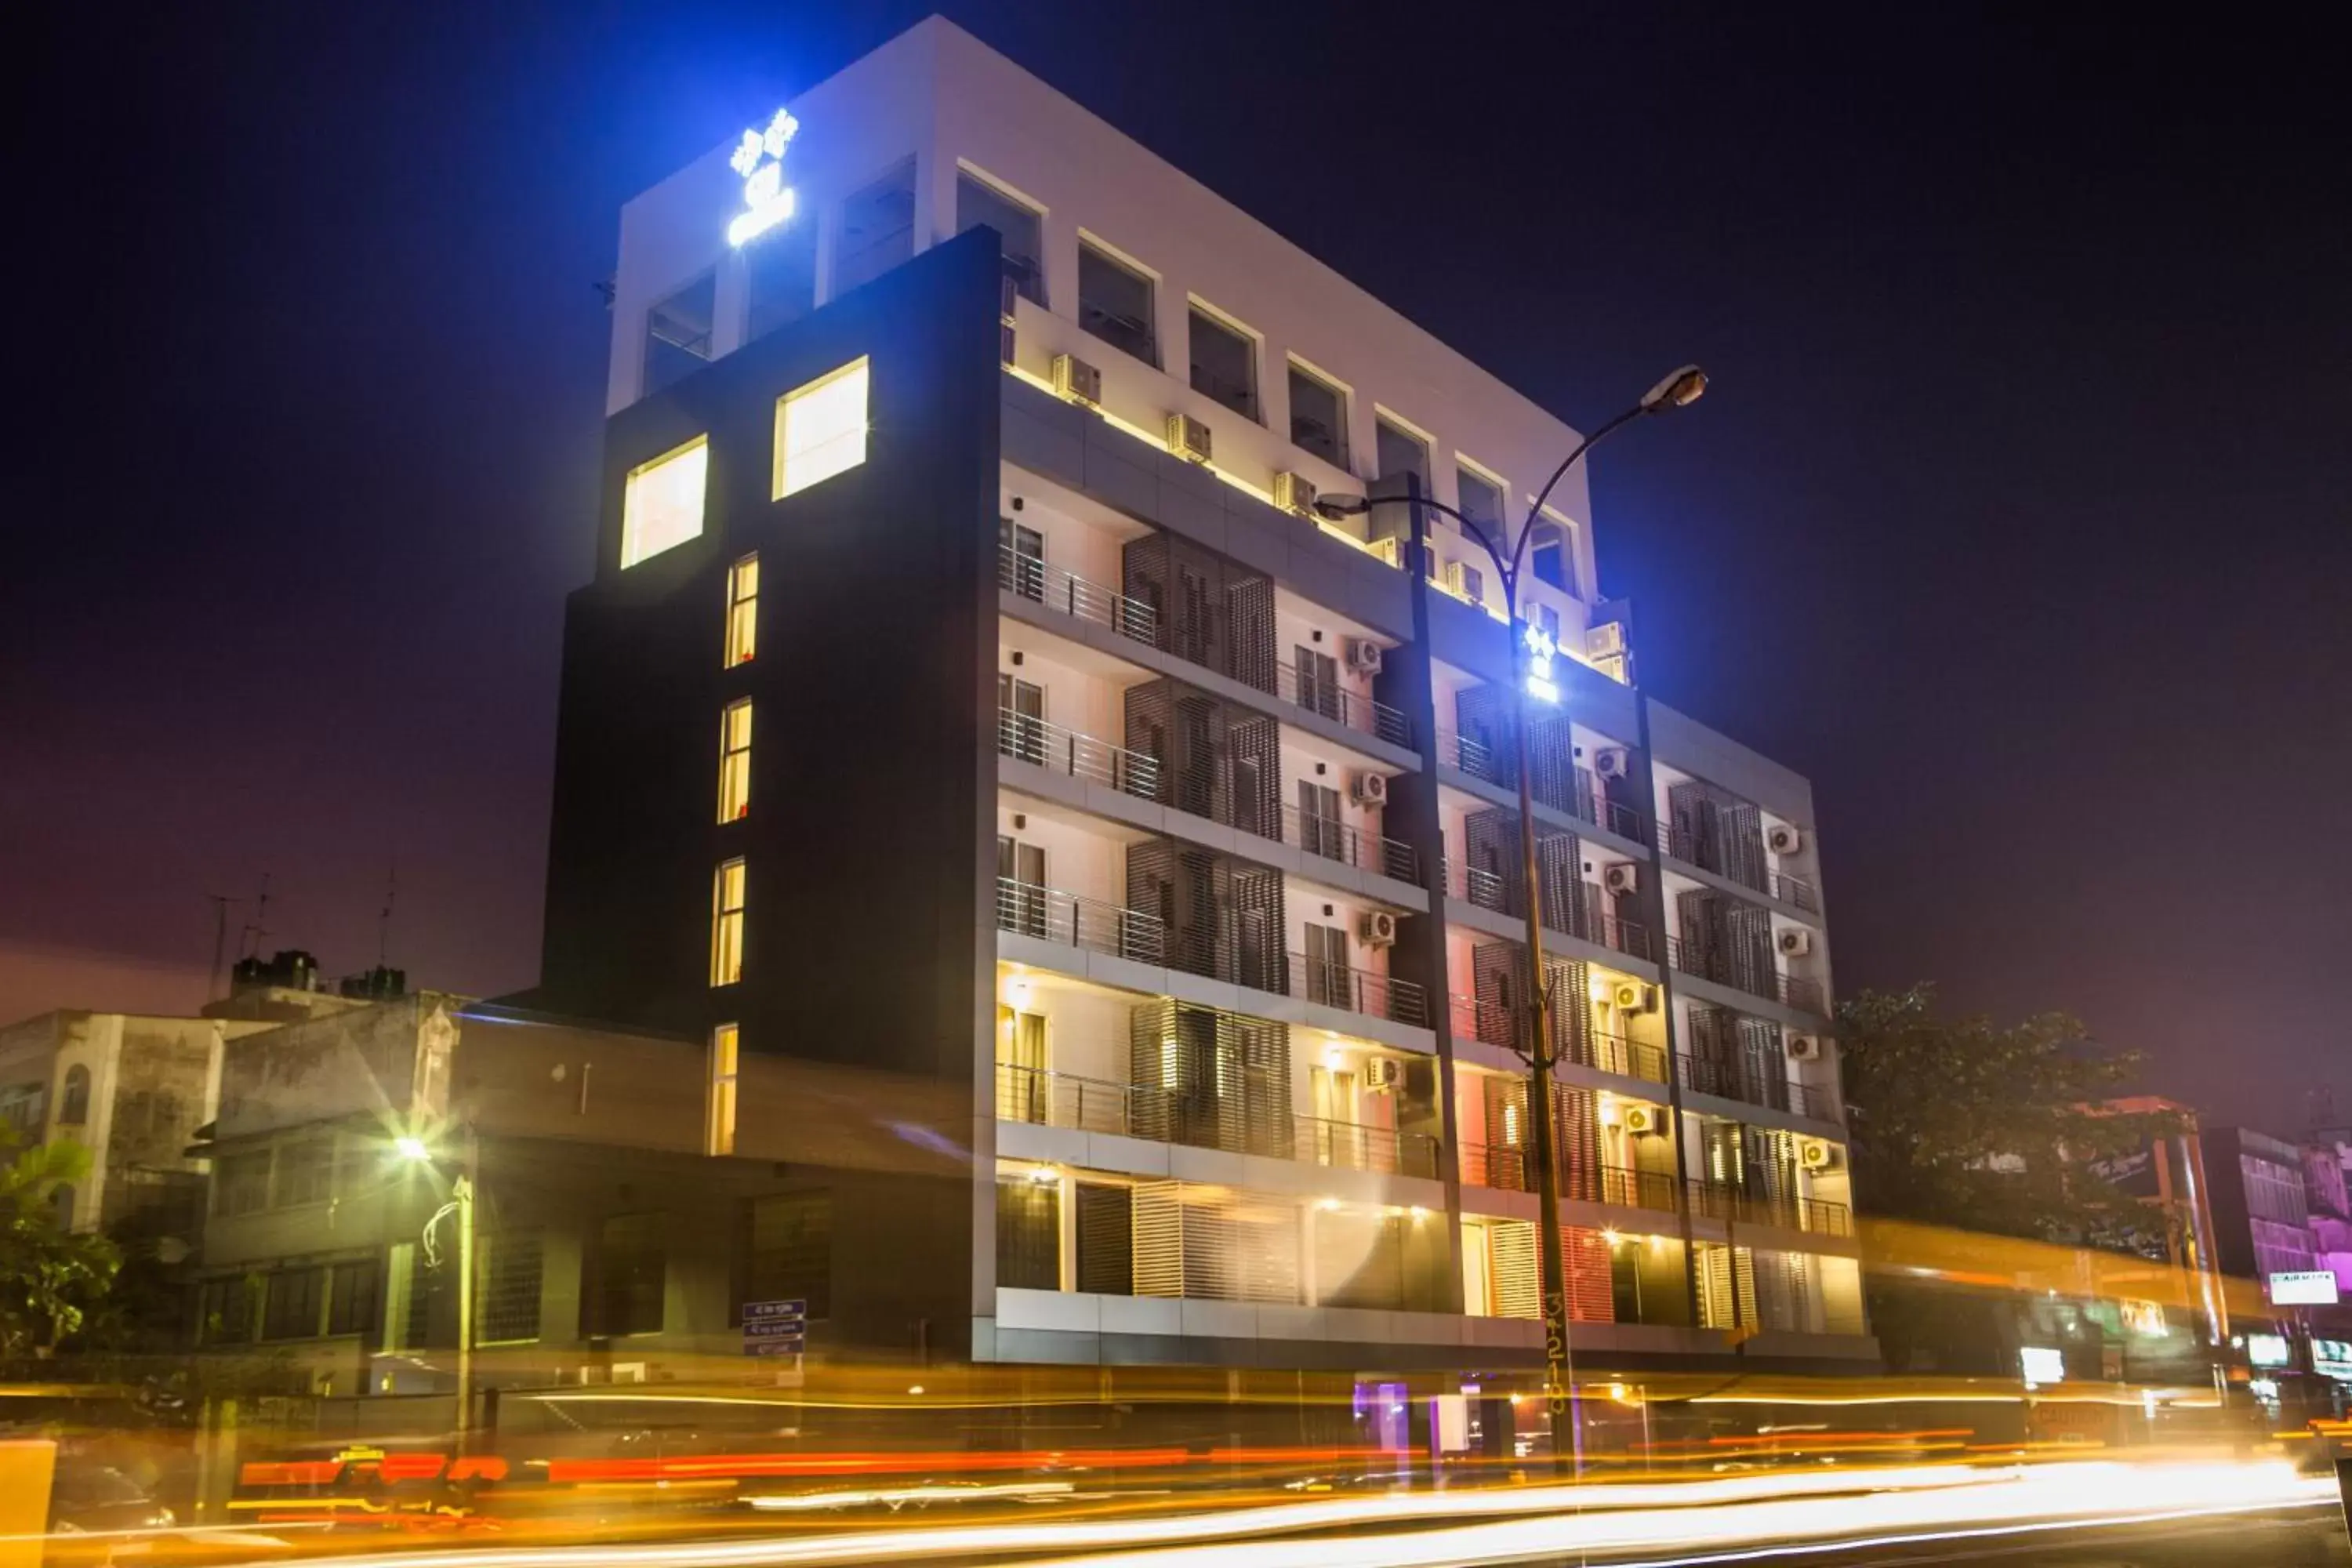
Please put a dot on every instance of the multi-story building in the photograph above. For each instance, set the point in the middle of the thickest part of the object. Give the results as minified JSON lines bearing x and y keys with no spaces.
{"x":969,"y":688}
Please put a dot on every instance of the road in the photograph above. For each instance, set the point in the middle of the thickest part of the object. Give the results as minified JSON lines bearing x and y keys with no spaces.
{"x":2305,"y":1538}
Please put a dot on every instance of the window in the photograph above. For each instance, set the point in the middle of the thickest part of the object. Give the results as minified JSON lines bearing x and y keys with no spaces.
{"x":306,"y":1173}
{"x":719,"y":1116}
{"x":508,"y":1312}
{"x":73,"y":1106}
{"x":1020,"y":560}
{"x":1400,"y":451}
{"x":1551,"y":557}
{"x":1480,"y":500}
{"x":790,"y":1251}
{"x":742,"y":611}
{"x":821,"y":429}
{"x":980,"y":204}
{"x":1319,"y":832}
{"x":877,"y":230}
{"x":224,"y":1312}
{"x":1318,"y":416}
{"x":1022,"y":904}
{"x":727,"y":925}
{"x":1327,"y":965}
{"x":1547,"y":618}
{"x":780,"y":275}
{"x":735,"y":761}
{"x":662,"y":507}
{"x":677,"y":332}
{"x":1028,"y":1234}
{"x":20,"y":1105}
{"x":1318,"y":680}
{"x":353,"y":1291}
{"x":290,"y":1303}
{"x":1224,"y":363}
{"x":1020,"y":718}
{"x":631,"y":1276}
{"x":242,"y":1184}
{"x":1115,"y":304}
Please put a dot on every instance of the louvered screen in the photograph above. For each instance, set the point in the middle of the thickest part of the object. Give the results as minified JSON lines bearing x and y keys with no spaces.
{"x":1576,"y":1143}
{"x":1591,"y":1292}
{"x":1727,"y":1278}
{"x":1506,"y":1129}
{"x":1748,"y":936}
{"x":1498,"y":986}
{"x":1106,"y":1239}
{"x":1740,"y":830}
{"x":1691,"y":816}
{"x":1250,"y":612}
{"x":1483,"y":718}
{"x":1258,"y":930}
{"x":1769,"y":1156}
{"x":1551,"y":762}
{"x":1491,"y":859}
{"x":1511,"y":1270}
{"x":1560,"y":873}
{"x":1028,"y":1235}
{"x":1763,"y":1062}
{"x":1255,"y":743}
{"x":1785,"y":1297}
{"x":1159,"y":1239}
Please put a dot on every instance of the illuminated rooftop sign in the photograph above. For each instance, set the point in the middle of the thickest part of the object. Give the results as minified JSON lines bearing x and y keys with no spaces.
{"x":760,"y":159}
{"x":1541,"y":650}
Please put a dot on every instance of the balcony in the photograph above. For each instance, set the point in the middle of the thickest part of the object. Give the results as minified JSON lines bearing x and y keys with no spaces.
{"x":1583,"y":914}
{"x":1794,"y":891}
{"x":1728,"y":966}
{"x":1506,"y":1168}
{"x":1744,"y":864}
{"x":1335,"y":703}
{"x":1585,"y":801}
{"x":1033,"y":579}
{"x":1723,"y":1201}
{"x":1334,"y":983}
{"x":1600,"y":1048}
{"x":1049,"y":914}
{"x":1729,"y":1081}
{"x":1032,"y":740}
{"x":1047,"y":1099}
{"x":1335,"y":840}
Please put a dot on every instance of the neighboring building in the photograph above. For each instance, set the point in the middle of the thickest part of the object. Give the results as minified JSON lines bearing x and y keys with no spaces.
{"x":1166,"y":829}
{"x":2169,"y":1176}
{"x":131,"y":1088}
{"x":2261,"y":1213}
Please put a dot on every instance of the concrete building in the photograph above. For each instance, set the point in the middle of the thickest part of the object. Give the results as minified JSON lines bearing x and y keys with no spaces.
{"x":969,"y":691}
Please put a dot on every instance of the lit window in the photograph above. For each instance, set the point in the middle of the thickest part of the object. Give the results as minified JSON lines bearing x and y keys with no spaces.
{"x":735,"y":761}
{"x":727,"y":925}
{"x":718,"y":1135}
{"x":663,"y":505}
{"x":742,"y":611}
{"x":821,"y":429}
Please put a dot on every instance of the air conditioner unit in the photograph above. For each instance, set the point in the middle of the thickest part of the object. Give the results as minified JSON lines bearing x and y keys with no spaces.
{"x":1377,"y":927}
{"x":1188,"y":438}
{"x":1633,"y":996}
{"x":1804,"y":1047}
{"x":1611,"y":761}
{"x":1622,"y":877}
{"x":1292,"y":493}
{"x":1641,"y":1120}
{"x":1076,"y":380}
{"x":1383,"y":1072}
{"x":1782,"y":839}
{"x":1368,"y":788}
{"x":1606,"y":640}
{"x":1815,"y":1156}
{"x":1794,"y":941}
{"x":1465,"y":582}
{"x":1364,"y":654}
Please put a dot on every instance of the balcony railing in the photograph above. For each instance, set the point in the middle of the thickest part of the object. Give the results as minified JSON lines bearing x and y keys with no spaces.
{"x":1049,"y":914}
{"x":1586,"y":915}
{"x":1334,"y":983}
{"x":1335,"y":840}
{"x":1601,"y":1048}
{"x":1730,"y":1080}
{"x":1238,"y":949}
{"x":1796,"y":890}
{"x":1048,"y":1098}
{"x":1033,"y":739}
{"x":1721,"y":1200}
{"x":1728,"y":966}
{"x":1341,"y":706}
{"x":1747,"y":868}
{"x":1588,"y":802}
{"x":1033,"y":580}
{"x":1508,"y":1168}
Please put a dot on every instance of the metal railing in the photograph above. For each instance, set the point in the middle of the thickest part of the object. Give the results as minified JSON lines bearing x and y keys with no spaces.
{"x":1508,"y":1168}
{"x":1350,"y":1146}
{"x":1796,"y":890}
{"x":1048,"y":1098}
{"x":1721,"y":1200}
{"x":1033,"y":579}
{"x":1033,"y":739}
{"x":1727,"y":966}
{"x":1732,"y":1080}
{"x":1334,"y":983}
{"x":1586,"y":915}
{"x":1335,"y":840}
{"x":1341,"y":706}
{"x":1049,"y":914}
{"x":1587,"y":802}
{"x":1474,"y":1020}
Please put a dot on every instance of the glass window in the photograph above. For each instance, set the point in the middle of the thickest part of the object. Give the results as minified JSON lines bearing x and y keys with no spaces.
{"x":662,"y":507}
{"x":353,"y":1291}
{"x":790,"y":1251}
{"x":1318,"y":416}
{"x":1224,"y":363}
{"x":631,"y":1276}
{"x":821,"y":429}
{"x":73,"y":1106}
{"x":289,"y":1309}
{"x":1480,"y":500}
{"x":224,"y":1312}
{"x":742,"y":611}
{"x":1115,"y":304}
{"x":718,"y":1133}
{"x":677,"y":332}
{"x":1028,"y":1234}
{"x":727,"y":925}
{"x":735,"y":761}
{"x":241,"y":1183}
{"x":1401,"y":452}
{"x":877,"y":230}
{"x":980,"y":204}
{"x":1551,"y":557}
{"x":508,"y":1312}
{"x":780,"y":275}
{"x":306,"y":1172}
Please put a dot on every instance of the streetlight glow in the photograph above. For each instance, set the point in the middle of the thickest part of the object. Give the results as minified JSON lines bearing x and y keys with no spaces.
{"x":411,"y":1148}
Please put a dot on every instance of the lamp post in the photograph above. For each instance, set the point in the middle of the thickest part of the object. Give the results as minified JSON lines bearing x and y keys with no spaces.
{"x":1531,"y":653}
{"x":460,"y":1204}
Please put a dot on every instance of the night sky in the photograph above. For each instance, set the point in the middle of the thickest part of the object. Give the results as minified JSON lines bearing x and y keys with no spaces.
{"x":2017,"y":516}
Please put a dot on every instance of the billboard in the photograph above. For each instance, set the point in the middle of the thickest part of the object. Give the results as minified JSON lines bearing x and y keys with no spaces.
{"x":2307,"y":1288}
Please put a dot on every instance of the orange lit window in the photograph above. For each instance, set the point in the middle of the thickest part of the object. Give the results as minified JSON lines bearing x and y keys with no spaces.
{"x":727,"y":925}
{"x":742,"y":611}
{"x":735,"y":761}
{"x":718,"y":1137}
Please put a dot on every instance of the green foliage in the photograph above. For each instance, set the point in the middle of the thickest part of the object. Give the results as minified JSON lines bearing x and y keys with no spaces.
{"x":1965,"y":1122}
{"x":51,"y":1277}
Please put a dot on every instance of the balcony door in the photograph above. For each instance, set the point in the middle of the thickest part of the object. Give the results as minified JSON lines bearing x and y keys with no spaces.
{"x":1021,"y":1080}
{"x":1020,"y":718}
{"x":1020,"y":560}
{"x":1319,"y":820}
{"x":1020,"y":886}
{"x":1318,"y":680}
{"x":1328,"y":975}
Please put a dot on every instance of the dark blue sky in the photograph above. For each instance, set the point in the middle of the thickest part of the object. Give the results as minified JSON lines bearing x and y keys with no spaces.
{"x":2017,"y":516}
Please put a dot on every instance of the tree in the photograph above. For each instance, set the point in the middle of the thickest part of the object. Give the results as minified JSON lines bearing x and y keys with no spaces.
{"x":51,"y":1277}
{"x":1965,"y":1122}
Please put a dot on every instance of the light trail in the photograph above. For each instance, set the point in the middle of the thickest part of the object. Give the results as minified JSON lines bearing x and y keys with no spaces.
{"x":1726,"y":1520}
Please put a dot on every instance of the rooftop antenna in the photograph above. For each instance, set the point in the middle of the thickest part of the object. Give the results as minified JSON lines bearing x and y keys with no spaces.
{"x":248,"y":941}
{"x":383,"y":921}
{"x":221,"y":902}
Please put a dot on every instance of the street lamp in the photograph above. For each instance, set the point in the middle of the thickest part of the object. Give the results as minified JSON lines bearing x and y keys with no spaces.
{"x":1531,"y":653}
{"x":415,"y":1150}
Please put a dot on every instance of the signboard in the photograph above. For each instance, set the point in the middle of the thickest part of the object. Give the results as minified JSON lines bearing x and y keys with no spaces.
{"x":2042,"y":1365}
{"x":1541,"y":650}
{"x":2313,"y":1289}
{"x":2268,"y":1350}
{"x":760,"y":159}
{"x":775,"y":1328}
{"x":2332,"y":1358}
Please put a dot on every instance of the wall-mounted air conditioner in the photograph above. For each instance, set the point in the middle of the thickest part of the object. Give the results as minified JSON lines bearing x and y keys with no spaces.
{"x":1076,"y":380}
{"x":1189,"y":438}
